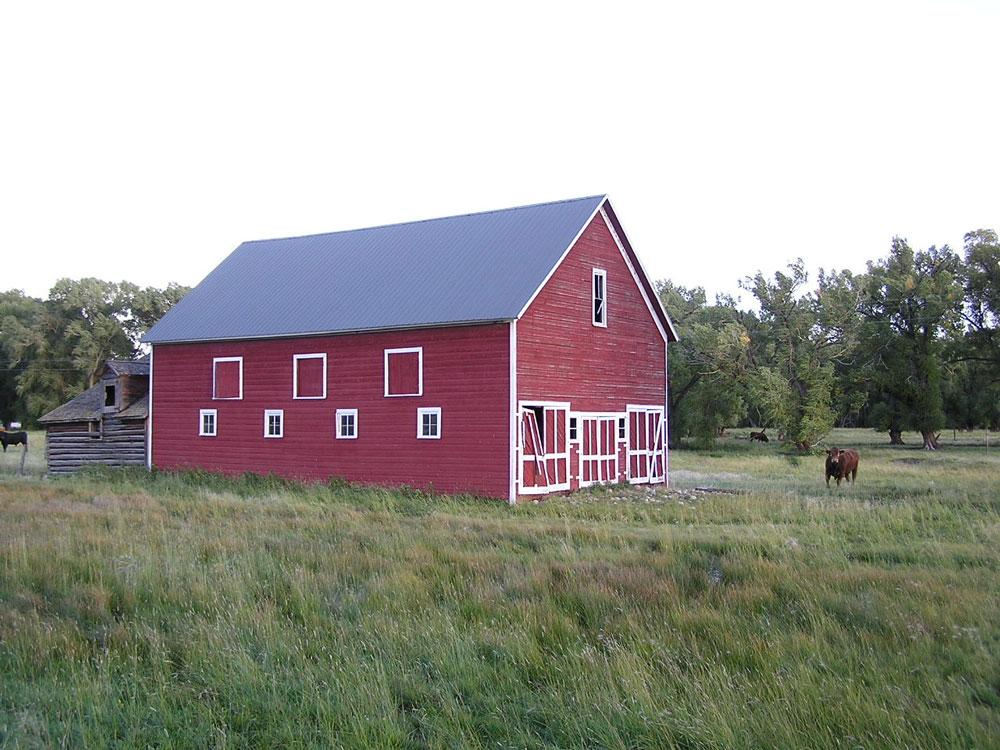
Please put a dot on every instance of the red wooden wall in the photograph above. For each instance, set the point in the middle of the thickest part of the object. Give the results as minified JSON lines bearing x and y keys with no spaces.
{"x":465,"y":372}
{"x":562,"y":356}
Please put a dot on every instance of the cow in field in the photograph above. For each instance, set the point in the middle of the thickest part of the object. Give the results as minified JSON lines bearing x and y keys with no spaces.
{"x":13,"y":438}
{"x":842,"y":464}
{"x":760,"y":437}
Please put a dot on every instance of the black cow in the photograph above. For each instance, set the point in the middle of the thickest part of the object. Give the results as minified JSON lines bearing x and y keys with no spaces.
{"x":13,"y":438}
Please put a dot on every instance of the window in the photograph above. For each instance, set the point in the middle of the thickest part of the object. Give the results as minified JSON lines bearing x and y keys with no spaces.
{"x":573,"y":428}
{"x":207,"y":421}
{"x":274,"y":423}
{"x":347,"y":424}
{"x":227,"y":378}
{"x":404,"y":372}
{"x":429,"y":423}
{"x":600,"y":298}
{"x":95,"y":430}
{"x":621,"y":428}
{"x":309,"y":376}
{"x":110,"y":402}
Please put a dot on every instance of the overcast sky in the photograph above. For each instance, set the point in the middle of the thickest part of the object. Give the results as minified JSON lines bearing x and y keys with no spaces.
{"x":145,"y":141}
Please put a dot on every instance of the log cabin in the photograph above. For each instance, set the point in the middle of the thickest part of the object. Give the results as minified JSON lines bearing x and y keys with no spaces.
{"x":103,"y":426}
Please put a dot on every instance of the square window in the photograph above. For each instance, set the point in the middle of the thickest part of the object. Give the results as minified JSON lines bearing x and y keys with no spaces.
{"x":227,"y":378}
{"x":207,"y":422}
{"x":309,"y":376}
{"x":274,"y":423}
{"x":600,"y":294}
{"x":347,"y":424}
{"x":404,"y":372}
{"x":429,"y":423}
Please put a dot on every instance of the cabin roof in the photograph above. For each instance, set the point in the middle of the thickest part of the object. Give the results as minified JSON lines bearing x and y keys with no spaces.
{"x":471,"y":268}
{"x":89,"y":405}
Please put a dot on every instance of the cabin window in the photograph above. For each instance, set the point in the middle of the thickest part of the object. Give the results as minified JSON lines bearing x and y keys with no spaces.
{"x":94,"y":430}
{"x":207,"y":422}
{"x":110,"y":400}
{"x":404,"y":372}
{"x":573,"y":431}
{"x":600,"y":289}
{"x":309,"y":376}
{"x":347,"y":424}
{"x":274,"y":423}
{"x":227,"y":378}
{"x":429,"y":423}
{"x":621,"y":428}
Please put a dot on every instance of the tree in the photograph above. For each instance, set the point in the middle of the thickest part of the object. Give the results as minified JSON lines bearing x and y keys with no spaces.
{"x":800,"y":339}
{"x":62,"y":348}
{"x":981,"y":311}
{"x":706,"y":365}
{"x":912,"y":301}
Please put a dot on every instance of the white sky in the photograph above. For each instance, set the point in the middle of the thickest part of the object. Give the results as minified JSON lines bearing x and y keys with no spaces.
{"x":145,"y":141}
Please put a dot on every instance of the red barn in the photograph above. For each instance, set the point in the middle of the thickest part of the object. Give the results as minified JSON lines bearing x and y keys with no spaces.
{"x":506,"y":354}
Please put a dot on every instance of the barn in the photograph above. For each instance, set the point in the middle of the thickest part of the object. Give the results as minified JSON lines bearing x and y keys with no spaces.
{"x":506,"y":354}
{"x":105,"y":425}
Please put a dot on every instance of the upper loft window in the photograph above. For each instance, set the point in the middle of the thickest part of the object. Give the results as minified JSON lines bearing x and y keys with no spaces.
{"x":600,"y":295}
{"x":110,"y":397}
{"x":309,"y":376}
{"x":404,"y":372}
{"x":227,"y":378}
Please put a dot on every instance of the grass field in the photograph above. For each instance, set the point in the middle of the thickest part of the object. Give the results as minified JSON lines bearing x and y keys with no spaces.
{"x":187,"y":611}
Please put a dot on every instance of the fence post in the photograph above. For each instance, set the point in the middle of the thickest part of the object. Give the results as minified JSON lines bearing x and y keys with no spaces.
{"x":24,"y":454}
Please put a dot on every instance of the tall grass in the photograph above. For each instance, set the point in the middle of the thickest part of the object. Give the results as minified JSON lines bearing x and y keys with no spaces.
{"x":190,"y":611}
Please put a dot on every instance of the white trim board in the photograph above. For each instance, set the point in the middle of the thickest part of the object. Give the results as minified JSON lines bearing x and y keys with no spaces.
{"x":149,"y":414}
{"x":514,"y":417}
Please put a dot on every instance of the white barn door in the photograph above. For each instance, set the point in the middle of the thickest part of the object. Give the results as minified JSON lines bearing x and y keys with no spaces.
{"x":543,"y":446}
{"x":645,"y":455}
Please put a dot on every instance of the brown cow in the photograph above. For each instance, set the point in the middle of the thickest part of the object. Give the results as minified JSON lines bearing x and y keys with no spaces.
{"x":842,"y":464}
{"x":759,"y":436}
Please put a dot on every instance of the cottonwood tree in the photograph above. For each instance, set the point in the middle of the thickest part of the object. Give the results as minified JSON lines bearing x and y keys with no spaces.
{"x":801,"y":337}
{"x":912,"y":303}
{"x":706,"y":365}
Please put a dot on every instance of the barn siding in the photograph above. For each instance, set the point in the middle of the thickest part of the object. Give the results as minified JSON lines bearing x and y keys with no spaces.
{"x":69,"y":447}
{"x":466,"y":373}
{"x":562,"y":356}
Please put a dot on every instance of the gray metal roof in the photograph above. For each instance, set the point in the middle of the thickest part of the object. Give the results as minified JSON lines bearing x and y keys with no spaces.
{"x":460,"y":269}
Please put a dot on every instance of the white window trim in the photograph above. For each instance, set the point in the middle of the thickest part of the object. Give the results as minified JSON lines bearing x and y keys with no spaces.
{"x":420,"y":418}
{"x":603,"y":274}
{"x":215,"y":361}
{"x":347,"y":413}
{"x":420,"y":371}
{"x":295,"y":376}
{"x":274,"y":413}
{"x":201,"y":422}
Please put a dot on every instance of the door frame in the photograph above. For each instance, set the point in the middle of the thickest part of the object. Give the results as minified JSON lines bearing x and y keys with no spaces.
{"x":650,"y":453}
{"x":559,"y":407}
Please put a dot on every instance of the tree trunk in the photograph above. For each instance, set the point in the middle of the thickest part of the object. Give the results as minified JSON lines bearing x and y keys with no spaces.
{"x":895,"y":437}
{"x":803,"y":445}
{"x":930,"y":440}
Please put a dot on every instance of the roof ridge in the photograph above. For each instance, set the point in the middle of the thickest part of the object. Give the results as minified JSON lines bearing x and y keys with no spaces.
{"x":426,"y":221}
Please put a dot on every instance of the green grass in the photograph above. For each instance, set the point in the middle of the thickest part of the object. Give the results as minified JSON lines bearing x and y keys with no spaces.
{"x":190,"y":611}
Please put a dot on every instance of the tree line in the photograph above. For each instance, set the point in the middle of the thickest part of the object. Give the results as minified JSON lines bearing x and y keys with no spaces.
{"x":52,"y":349}
{"x":910,"y":344}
